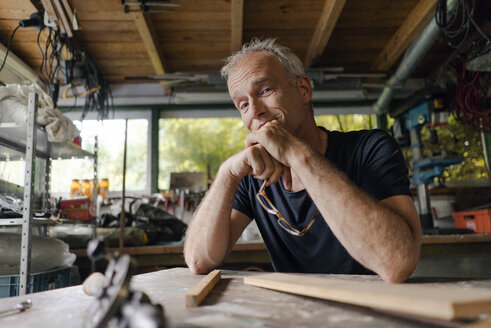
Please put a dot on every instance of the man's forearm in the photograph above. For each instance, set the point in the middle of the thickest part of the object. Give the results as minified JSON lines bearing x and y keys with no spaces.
{"x":208,"y":236}
{"x":373,"y":234}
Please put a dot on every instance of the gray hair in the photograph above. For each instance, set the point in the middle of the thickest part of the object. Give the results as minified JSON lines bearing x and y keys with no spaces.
{"x":290,"y":62}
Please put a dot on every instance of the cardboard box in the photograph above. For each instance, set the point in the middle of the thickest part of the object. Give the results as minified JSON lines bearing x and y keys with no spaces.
{"x":80,"y":209}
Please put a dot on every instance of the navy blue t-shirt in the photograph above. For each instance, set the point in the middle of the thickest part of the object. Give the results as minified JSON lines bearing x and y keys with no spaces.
{"x":371,"y":159}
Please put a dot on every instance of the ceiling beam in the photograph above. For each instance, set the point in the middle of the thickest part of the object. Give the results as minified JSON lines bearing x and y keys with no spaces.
{"x":329,"y":16}
{"x":147,"y":33}
{"x":417,"y":19}
{"x":237,"y":19}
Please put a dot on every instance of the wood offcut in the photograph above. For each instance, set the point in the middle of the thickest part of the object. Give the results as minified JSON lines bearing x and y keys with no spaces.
{"x":440,"y":302}
{"x":198,"y":293}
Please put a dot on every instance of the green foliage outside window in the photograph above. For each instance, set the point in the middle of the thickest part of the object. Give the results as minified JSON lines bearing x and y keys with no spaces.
{"x":187,"y":145}
{"x":457,"y":140}
{"x":190,"y":145}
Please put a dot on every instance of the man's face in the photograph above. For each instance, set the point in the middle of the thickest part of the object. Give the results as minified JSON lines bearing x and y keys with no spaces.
{"x":261,"y":90}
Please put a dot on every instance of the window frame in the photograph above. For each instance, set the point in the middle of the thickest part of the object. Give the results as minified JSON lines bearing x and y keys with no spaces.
{"x":121,"y":114}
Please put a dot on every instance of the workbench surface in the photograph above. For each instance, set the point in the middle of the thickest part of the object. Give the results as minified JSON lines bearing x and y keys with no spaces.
{"x":451,"y":256}
{"x":230,"y":304}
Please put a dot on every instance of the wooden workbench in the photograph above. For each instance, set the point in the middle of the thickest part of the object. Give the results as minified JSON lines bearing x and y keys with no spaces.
{"x":456,"y":256}
{"x":230,"y":304}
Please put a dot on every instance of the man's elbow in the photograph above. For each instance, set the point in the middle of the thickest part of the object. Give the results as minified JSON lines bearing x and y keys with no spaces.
{"x":396,"y":276}
{"x":197,"y":264}
{"x":399,"y":271}
{"x":196,"y":267}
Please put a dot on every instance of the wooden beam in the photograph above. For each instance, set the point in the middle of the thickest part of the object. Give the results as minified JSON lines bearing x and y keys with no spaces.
{"x":147,"y":33}
{"x":417,"y":19}
{"x":237,"y":19}
{"x":329,"y":17}
{"x":69,"y":12}
{"x":50,"y":9}
{"x":64,"y":20}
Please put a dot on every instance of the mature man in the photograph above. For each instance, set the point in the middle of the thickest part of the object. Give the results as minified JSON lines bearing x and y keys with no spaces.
{"x":324,"y":201}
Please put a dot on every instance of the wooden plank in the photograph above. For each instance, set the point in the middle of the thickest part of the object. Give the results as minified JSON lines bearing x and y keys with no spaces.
{"x":69,"y":11}
{"x":198,"y":293}
{"x":456,"y":239}
{"x":194,"y":36}
{"x":147,"y":33}
{"x":441,"y":302}
{"x":192,"y":21}
{"x":409,"y":30}
{"x":284,"y":6}
{"x":50,"y":9}
{"x":237,"y":17}
{"x":116,"y":50}
{"x":61,"y":14}
{"x":262,"y":21}
{"x":329,"y":16}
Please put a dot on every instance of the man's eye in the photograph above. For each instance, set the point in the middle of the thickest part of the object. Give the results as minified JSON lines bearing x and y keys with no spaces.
{"x":243,"y":106}
{"x":265,"y":90}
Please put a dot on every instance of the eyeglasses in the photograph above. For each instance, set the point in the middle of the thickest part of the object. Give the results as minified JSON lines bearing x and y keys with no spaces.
{"x":283,"y":223}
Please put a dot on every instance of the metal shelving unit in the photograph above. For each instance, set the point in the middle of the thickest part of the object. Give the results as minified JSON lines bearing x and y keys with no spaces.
{"x":31,"y":142}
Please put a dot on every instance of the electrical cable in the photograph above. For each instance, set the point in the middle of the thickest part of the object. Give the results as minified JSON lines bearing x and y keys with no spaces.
{"x":98,"y":94}
{"x":455,"y":32}
{"x":478,"y":29}
{"x":42,"y":60}
{"x":471,"y":105}
{"x":8,"y":47}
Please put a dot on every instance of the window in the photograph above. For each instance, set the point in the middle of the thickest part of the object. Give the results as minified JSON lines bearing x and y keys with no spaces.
{"x":193,"y":145}
{"x":110,"y":134}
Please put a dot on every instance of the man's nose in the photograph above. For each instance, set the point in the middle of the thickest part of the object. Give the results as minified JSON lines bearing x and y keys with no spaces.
{"x":256,"y":107}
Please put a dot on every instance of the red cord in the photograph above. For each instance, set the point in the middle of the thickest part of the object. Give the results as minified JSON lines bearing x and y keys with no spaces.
{"x":470,"y":104}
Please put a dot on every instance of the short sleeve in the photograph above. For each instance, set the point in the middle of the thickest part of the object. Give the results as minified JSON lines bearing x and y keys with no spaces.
{"x":384,"y":167}
{"x":242,"y":200}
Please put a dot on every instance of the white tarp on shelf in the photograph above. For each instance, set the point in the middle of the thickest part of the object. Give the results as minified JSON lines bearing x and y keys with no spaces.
{"x":13,"y":109}
{"x":47,"y":253}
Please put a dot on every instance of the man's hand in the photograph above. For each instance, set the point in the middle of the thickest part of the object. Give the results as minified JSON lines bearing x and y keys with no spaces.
{"x":275,"y":138}
{"x":256,"y":160}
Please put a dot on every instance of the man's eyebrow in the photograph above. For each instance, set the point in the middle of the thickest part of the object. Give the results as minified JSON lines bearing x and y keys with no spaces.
{"x":254,"y":83}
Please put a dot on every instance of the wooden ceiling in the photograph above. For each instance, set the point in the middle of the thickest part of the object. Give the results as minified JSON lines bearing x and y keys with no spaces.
{"x":359,"y":36}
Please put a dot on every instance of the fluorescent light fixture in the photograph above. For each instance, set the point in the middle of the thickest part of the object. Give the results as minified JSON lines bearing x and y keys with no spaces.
{"x":151,"y":94}
{"x":203,"y":98}
{"x":321,"y":95}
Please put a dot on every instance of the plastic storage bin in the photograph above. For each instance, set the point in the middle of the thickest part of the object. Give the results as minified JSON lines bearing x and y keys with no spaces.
{"x":477,"y":220}
{"x":57,"y":278}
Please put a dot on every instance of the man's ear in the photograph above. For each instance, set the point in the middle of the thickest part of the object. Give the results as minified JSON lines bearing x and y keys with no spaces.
{"x":305,"y":88}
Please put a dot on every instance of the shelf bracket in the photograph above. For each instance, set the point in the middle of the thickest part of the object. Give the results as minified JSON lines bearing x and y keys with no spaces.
{"x":26,"y":246}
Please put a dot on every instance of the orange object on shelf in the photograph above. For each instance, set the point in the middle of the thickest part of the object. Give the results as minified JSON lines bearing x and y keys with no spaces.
{"x":104,"y":188}
{"x":81,"y":209}
{"x":477,"y":220}
{"x":74,"y":187}
{"x":86,"y":190}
